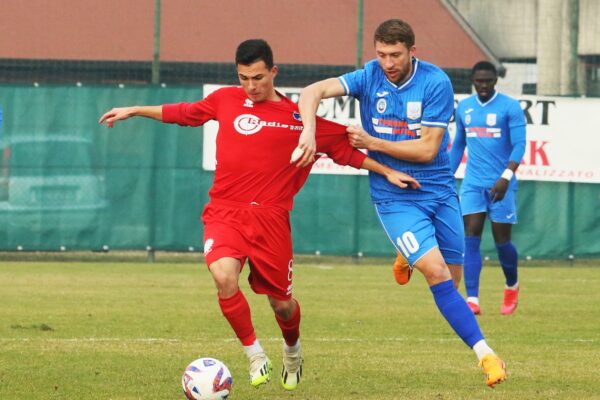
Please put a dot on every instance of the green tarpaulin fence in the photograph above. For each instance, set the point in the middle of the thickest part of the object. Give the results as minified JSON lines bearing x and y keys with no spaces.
{"x":67,"y":181}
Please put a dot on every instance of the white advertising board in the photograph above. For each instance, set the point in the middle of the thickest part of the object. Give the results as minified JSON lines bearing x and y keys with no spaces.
{"x":563,"y":137}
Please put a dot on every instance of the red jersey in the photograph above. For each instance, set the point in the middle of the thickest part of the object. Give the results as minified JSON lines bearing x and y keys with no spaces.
{"x":254,"y":145}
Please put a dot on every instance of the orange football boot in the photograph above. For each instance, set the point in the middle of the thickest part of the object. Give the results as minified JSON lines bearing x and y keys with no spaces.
{"x":402,"y":270}
{"x":493,"y":368}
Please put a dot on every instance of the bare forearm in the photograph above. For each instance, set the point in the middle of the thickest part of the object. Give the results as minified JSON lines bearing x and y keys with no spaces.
{"x":408,"y":150}
{"x":374,"y":166}
{"x":311,"y":96}
{"x":397,"y":178}
{"x":421,"y":150}
{"x":308,"y":105}
{"x":512,"y":165}
{"x":153,"y":112}
{"x":123,"y":113}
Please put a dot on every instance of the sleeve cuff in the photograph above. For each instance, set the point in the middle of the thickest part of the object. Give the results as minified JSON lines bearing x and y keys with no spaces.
{"x":357,"y":158}
{"x":169,"y":113}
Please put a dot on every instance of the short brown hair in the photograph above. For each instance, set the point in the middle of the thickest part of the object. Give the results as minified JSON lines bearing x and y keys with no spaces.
{"x":393,"y":31}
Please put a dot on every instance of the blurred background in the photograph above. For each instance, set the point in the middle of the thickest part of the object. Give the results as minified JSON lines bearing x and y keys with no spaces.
{"x":67,"y":183}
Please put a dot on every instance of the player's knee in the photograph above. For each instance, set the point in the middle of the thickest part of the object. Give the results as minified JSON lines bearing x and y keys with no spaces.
{"x":436,"y":273}
{"x":225,"y":281}
{"x":283,"y":308}
{"x":439,"y":276}
{"x":501,"y":239}
{"x":470,"y":231}
{"x":501,"y":232}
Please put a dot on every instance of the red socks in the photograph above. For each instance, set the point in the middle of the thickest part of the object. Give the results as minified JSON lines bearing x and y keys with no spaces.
{"x":237,"y":311}
{"x":290,"y":328}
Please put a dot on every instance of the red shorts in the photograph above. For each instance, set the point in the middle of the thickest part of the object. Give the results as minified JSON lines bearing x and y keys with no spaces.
{"x":259,"y":233}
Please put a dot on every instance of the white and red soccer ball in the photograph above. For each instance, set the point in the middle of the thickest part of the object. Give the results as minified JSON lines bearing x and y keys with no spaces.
{"x":206,"y":379}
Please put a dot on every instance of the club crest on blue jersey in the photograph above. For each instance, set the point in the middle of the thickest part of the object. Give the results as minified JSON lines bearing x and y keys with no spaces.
{"x":296,"y":116}
{"x":413,"y":110}
{"x":491,"y":119}
{"x":381,"y":105}
{"x":467,"y":119}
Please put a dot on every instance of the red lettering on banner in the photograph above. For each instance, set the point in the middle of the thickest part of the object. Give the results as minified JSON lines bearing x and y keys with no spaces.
{"x":535,"y":150}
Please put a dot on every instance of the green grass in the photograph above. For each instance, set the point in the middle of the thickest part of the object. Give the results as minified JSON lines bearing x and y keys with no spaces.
{"x":92,"y":330}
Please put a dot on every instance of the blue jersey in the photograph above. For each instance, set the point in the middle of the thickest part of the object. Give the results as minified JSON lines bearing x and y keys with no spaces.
{"x":495,"y":135}
{"x":395,"y":113}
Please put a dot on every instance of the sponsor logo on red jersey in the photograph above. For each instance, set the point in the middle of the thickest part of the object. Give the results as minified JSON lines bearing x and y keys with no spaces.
{"x":248,"y":124}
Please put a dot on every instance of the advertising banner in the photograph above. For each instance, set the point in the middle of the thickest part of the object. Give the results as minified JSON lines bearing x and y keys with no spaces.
{"x":563,"y":140}
{"x":563,"y":137}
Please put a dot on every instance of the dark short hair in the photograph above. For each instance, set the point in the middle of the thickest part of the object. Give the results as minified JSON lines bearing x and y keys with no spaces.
{"x":254,"y":50}
{"x":484,"y":66}
{"x":393,"y":31}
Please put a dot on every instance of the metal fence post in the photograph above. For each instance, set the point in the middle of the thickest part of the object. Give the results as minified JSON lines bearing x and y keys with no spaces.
{"x":156,"y":48}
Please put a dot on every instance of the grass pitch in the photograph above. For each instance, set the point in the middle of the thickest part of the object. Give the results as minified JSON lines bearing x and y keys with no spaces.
{"x":92,"y":330}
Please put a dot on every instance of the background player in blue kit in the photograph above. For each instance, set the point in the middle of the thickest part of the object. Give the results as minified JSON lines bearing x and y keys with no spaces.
{"x":492,"y":126}
{"x":405,"y":107}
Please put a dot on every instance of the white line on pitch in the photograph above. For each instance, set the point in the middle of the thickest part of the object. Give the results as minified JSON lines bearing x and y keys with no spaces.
{"x":170,"y":340}
{"x":272,"y":339}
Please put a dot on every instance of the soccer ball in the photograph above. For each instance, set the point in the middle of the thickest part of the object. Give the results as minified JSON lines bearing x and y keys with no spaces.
{"x":206,"y":379}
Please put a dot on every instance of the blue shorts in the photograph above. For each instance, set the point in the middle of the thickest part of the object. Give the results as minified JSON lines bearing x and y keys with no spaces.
{"x":417,"y":226}
{"x":474,"y":199}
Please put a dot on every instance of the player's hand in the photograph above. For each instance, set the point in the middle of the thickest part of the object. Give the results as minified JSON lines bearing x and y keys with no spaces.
{"x":116,"y":114}
{"x":358,"y":137}
{"x":402,"y":180}
{"x":498,"y":191}
{"x":308,"y":145}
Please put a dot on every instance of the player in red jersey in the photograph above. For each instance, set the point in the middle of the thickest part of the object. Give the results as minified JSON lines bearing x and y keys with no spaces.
{"x":255,"y":181}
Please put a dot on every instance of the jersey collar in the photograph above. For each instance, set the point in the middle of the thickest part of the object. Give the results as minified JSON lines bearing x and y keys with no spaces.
{"x":487,"y":102}
{"x":415,"y":64}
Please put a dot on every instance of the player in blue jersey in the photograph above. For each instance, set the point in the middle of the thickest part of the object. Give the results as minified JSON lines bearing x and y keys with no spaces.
{"x":492,"y":126}
{"x":405,"y":107}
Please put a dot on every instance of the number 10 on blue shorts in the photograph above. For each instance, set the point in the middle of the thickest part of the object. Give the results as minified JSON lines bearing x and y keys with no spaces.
{"x":415,"y":227}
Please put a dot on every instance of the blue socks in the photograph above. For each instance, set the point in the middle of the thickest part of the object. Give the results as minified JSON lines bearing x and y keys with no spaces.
{"x":507,"y":254}
{"x":473,"y":265}
{"x":456,"y":311}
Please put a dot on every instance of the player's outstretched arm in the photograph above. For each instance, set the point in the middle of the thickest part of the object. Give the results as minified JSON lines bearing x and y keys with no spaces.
{"x":308,"y":103}
{"x":397,"y":178}
{"x":422,"y":150}
{"x":122,"y":113}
